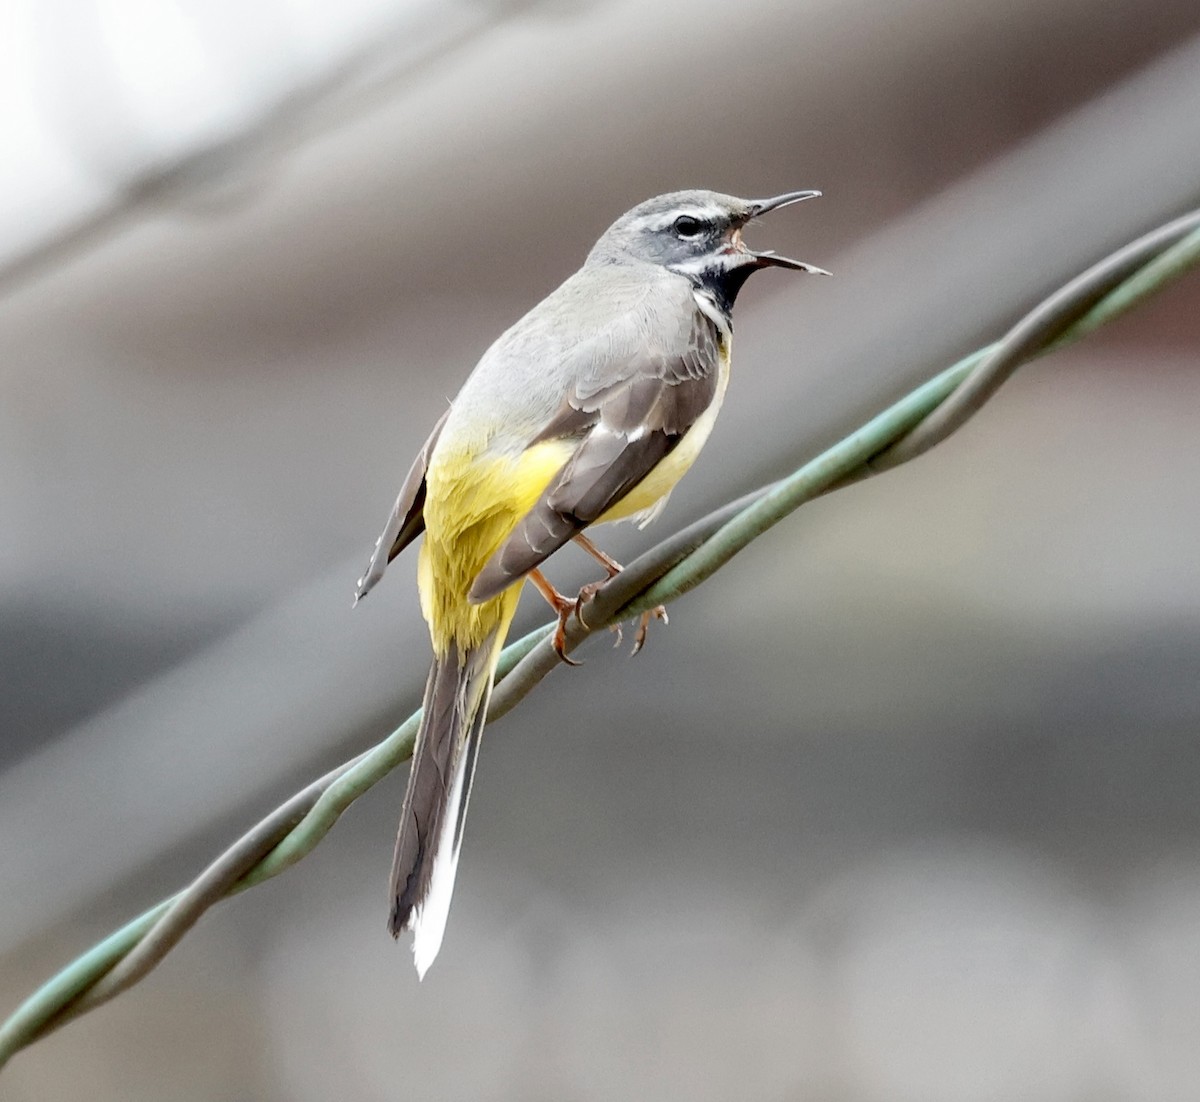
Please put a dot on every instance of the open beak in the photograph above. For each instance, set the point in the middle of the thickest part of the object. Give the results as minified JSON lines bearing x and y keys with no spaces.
{"x":768,"y":258}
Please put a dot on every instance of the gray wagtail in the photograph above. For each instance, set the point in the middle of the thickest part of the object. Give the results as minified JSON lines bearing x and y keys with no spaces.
{"x":589,"y":409}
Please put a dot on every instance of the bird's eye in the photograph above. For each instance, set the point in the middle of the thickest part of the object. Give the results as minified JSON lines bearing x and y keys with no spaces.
{"x":687,"y":226}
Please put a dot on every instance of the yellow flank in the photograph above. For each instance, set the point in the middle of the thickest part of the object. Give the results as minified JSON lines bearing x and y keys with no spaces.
{"x":471,"y":505}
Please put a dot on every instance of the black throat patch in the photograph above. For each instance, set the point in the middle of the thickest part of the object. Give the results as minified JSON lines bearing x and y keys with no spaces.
{"x":722,"y":284}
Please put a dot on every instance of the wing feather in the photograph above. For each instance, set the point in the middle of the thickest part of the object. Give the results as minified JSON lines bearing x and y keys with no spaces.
{"x":407,"y":519}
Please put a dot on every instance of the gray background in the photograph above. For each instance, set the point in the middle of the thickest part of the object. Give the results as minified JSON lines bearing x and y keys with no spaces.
{"x":902,"y":805}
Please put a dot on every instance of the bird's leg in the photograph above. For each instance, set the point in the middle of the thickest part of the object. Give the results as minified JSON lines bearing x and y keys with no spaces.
{"x":607,"y":561}
{"x":563,"y":607}
{"x":611,"y":567}
{"x":592,"y":588}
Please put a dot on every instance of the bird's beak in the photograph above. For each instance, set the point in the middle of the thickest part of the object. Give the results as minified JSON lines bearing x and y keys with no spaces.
{"x":761,"y":206}
{"x":768,"y":258}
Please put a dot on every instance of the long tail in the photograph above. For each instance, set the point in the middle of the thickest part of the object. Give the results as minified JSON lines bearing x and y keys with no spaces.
{"x":435,"y":804}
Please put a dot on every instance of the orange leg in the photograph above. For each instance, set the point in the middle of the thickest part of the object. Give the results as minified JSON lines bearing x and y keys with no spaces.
{"x":607,"y":561}
{"x":563,"y":608}
{"x":589,"y":591}
{"x":612,"y":569}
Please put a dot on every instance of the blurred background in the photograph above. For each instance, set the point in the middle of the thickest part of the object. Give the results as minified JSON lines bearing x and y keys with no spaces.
{"x":901,"y":806}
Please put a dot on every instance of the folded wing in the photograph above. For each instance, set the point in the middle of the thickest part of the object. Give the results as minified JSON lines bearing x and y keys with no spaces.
{"x":633,"y":403}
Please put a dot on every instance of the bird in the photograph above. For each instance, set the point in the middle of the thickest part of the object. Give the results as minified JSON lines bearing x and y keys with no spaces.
{"x":588,"y":409}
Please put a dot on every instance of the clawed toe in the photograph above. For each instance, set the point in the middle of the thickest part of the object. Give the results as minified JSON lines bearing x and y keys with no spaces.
{"x":639,"y":638}
{"x":585,"y":595}
{"x":560,"y":639}
{"x":563,"y":608}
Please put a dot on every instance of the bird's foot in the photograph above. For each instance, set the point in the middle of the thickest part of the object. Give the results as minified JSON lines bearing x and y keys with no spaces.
{"x":639,"y":638}
{"x":586,"y":593}
{"x":613,"y":568}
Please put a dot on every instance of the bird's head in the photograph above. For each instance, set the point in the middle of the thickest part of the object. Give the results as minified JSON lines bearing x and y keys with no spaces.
{"x":698,"y":234}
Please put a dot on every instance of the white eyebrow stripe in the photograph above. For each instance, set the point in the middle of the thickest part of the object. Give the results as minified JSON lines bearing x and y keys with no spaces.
{"x":705,"y":213}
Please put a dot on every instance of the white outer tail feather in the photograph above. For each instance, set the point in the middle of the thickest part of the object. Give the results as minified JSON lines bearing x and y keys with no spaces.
{"x":428,"y":917}
{"x":428,"y":920}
